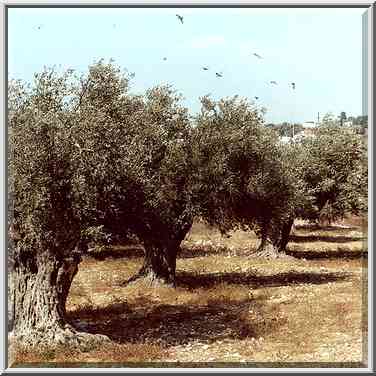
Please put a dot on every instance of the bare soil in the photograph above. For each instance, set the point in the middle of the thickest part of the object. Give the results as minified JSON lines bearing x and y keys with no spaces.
{"x":229,"y":309}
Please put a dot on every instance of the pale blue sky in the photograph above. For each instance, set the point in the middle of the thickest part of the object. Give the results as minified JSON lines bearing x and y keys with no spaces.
{"x":318,"y":49}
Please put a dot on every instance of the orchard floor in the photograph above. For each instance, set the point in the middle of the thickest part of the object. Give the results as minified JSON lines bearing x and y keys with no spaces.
{"x":229,"y":309}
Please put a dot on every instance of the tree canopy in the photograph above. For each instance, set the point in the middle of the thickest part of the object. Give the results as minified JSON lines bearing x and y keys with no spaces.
{"x":240,"y":176}
{"x":333,"y":169}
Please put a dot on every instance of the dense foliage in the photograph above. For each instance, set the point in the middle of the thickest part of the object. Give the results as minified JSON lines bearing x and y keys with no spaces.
{"x":332,"y":170}
{"x":240,"y":177}
{"x":41,"y":167}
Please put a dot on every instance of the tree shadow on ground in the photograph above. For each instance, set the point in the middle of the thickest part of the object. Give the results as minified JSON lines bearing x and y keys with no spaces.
{"x":323,"y":238}
{"x":186,"y":253}
{"x":328,"y":254}
{"x":194,"y":281}
{"x":144,"y":320}
{"x":313,"y":227}
{"x":170,"y":325}
{"x":137,"y":251}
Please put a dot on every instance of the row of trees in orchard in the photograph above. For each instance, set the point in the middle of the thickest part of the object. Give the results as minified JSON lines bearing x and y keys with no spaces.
{"x":89,"y":161}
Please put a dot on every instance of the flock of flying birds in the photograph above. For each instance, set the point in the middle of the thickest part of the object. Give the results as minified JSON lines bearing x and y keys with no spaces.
{"x":220,"y":74}
{"x":206,"y":68}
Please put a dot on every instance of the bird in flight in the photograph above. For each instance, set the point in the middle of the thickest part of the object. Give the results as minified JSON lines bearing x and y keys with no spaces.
{"x":219,"y":74}
{"x":205,"y":68}
{"x":256,"y":98}
{"x":273,"y":82}
{"x":257,"y":55}
{"x":165,"y":58}
{"x":293,"y":85}
{"x":181,"y":19}
{"x":39,"y":27}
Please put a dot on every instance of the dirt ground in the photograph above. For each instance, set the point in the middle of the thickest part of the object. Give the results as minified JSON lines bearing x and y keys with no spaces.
{"x":229,"y":309}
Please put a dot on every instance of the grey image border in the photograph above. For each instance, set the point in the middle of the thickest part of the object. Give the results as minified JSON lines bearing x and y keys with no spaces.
{"x":368,"y":83}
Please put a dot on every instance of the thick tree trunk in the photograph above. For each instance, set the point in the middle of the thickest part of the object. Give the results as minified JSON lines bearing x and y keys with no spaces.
{"x":39,"y":286}
{"x":274,"y":239}
{"x":268,"y":247}
{"x":159,"y":265}
{"x":285,"y":234}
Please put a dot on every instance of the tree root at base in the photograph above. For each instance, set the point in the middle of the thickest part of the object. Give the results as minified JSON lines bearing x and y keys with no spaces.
{"x":56,"y":336}
{"x":149,"y":279}
{"x":272,"y":253}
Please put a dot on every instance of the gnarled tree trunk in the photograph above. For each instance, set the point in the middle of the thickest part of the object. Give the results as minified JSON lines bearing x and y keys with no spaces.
{"x":159,"y":265}
{"x":274,"y":238}
{"x":39,"y":286}
{"x":285,"y":234}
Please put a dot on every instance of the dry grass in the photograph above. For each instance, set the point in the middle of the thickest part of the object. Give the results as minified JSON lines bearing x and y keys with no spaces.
{"x":228,"y":309}
{"x":63,"y":356}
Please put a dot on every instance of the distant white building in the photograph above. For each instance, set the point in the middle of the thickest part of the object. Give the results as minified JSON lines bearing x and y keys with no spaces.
{"x":309,"y":124}
{"x":309,"y":130}
{"x":348,"y":123}
{"x":302,"y":135}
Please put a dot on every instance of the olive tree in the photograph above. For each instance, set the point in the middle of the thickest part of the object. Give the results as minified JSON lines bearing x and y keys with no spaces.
{"x":166,"y":212}
{"x":136,"y":166}
{"x":239,"y":176}
{"x":333,"y":168}
{"x":43,"y":218}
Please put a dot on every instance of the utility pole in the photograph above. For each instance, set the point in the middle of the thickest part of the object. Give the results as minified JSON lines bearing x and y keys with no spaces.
{"x":318,"y":118}
{"x":293,"y":124}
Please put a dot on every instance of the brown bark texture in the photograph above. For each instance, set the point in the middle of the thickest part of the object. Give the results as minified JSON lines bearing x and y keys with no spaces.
{"x":39,"y":287}
{"x":159,"y":265}
{"x":274,"y":238}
